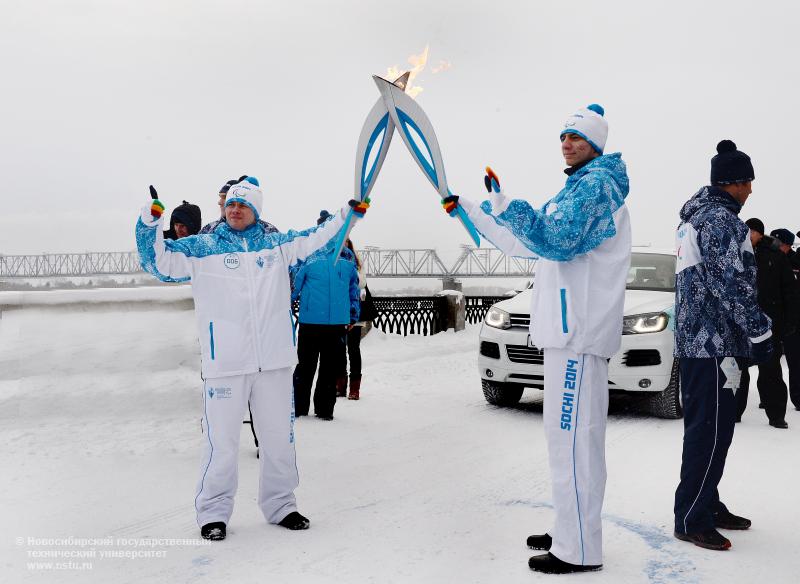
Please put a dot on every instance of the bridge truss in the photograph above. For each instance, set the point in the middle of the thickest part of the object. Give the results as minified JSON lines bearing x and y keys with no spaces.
{"x":380,"y":263}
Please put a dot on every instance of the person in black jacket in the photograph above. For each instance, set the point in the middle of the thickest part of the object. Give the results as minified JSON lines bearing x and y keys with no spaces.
{"x":791,"y":344}
{"x":778,"y":298}
{"x":184,"y":221}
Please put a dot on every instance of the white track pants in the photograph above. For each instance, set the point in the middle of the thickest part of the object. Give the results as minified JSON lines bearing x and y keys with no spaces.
{"x":575,"y":411}
{"x":271,"y":396}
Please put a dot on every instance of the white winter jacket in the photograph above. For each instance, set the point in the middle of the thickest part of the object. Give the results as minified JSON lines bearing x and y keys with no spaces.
{"x":583,"y":239}
{"x":240,"y":283}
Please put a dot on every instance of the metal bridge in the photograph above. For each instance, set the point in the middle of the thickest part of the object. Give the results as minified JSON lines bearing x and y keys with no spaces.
{"x":380,"y":263}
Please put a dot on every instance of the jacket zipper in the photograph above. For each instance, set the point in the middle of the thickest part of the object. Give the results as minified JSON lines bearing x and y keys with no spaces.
{"x":251,"y":298}
{"x":211,"y":335}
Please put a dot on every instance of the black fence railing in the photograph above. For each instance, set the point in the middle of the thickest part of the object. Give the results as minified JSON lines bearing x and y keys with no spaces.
{"x":411,"y":315}
{"x":478,"y":306}
{"x":422,"y":315}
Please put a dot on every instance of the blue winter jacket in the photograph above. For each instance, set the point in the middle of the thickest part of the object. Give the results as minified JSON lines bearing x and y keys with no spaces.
{"x":328,"y":293}
{"x":716,"y":307}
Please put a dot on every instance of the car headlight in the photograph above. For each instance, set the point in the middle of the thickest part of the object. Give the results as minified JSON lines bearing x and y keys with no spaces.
{"x":650,"y":322}
{"x":498,"y":318}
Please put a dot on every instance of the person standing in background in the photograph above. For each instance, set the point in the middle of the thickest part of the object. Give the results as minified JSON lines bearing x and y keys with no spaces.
{"x":717,"y":321}
{"x":791,"y":341}
{"x":329,"y":304}
{"x":779,"y":299}
{"x":356,"y":331}
{"x":184,"y":221}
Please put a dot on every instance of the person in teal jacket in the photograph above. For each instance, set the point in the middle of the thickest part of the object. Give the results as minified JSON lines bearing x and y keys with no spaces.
{"x":329,"y":305}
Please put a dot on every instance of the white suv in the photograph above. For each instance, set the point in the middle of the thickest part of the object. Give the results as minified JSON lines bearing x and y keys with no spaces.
{"x":644,"y":364}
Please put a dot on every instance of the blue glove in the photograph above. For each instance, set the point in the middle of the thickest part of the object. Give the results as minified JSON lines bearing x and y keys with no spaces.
{"x":762,"y":351}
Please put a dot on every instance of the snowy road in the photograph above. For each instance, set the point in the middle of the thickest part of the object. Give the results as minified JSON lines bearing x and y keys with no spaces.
{"x":420,"y":481}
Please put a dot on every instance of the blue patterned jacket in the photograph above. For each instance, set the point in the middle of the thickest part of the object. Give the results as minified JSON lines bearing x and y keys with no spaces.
{"x":716,"y":307}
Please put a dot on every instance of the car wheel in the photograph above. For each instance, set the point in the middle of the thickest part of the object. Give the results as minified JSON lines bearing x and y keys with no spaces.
{"x":667,"y":404}
{"x":501,"y":394}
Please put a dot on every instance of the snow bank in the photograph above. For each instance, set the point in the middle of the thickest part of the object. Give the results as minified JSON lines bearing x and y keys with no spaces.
{"x":159,"y":294}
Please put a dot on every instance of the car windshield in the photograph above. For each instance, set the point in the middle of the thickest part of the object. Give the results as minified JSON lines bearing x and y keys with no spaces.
{"x":652,"y":271}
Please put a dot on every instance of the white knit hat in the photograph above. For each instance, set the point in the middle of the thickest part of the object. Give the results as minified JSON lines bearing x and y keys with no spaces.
{"x":589,"y":124}
{"x":247,"y":192}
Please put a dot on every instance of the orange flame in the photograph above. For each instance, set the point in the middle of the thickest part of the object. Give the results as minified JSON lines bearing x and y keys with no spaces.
{"x":417,"y":63}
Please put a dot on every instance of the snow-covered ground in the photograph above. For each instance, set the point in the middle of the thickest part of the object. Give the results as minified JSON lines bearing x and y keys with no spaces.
{"x":420,"y":481}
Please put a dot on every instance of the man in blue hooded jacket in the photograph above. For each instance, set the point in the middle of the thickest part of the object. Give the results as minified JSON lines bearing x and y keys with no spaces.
{"x":329,"y":304}
{"x":583,"y":239}
{"x":717,"y":320}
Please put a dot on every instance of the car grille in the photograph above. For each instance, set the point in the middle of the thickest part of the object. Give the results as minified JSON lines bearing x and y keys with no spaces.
{"x":641,"y":358}
{"x":521,"y":320}
{"x":524,"y":354}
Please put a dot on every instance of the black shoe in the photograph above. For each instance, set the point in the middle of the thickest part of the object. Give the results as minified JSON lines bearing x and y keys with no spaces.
{"x":294,"y":521}
{"x":711,"y":539}
{"x":540,"y":542}
{"x":327,"y":418}
{"x":213,"y":531}
{"x":780,"y":424}
{"x":727,"y":520}
{"x":549,"y":564}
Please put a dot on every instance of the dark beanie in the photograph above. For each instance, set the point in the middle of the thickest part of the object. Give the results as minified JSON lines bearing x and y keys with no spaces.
{"x":227,"y":186}
{"x":783,"y":235}
{"x":187,"y":214}
{"x":730,"y":165}
{"x":756,"y":225}
{"x":323,"y":216}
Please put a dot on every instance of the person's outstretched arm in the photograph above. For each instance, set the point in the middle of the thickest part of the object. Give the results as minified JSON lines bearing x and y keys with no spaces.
{"x":579,"y":222}
{"x":298,"y":245}
{"x":166,"y":260}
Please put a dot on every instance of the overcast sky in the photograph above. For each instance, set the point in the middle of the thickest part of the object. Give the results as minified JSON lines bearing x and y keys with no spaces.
{"x":102,"y":98}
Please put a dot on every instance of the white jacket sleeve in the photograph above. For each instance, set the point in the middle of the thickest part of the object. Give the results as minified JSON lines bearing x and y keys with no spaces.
{"x":500,"y":236}
{"x":298,"y":245}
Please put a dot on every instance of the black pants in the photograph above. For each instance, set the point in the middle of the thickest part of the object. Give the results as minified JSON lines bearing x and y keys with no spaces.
{"x":709,"y":416}
{"x":791,"y":348}
{"x":771,"y":388}
{"x":354,"y":350}
{"x":325,"y":343}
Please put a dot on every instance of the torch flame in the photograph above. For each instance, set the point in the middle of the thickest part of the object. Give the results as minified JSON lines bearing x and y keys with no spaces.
{"x":417,"y":63}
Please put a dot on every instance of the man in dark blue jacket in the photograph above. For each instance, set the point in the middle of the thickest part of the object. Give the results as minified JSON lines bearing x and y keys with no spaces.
{"x":718,"y":320}
{"x":329,"y":304}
